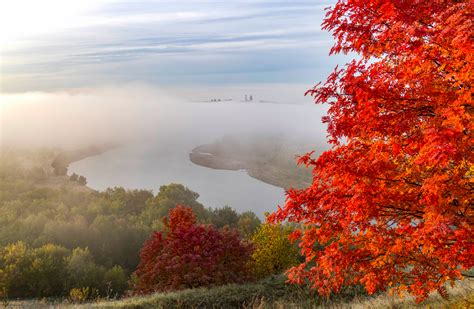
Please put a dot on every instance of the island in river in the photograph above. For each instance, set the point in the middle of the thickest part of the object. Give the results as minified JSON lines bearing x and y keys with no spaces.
{"x":268,"y":159}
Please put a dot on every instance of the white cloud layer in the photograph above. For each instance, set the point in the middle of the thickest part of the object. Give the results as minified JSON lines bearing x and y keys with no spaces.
{"x":57,"y":44}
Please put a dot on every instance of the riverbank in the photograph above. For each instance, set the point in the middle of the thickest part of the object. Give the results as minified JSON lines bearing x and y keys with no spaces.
{"x":47,"y":167}
{"x":62,"y":160}
{"x":269,"y":160}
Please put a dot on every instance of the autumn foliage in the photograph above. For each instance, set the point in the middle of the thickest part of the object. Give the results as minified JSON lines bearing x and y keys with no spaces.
{"x":392,"y":200}
{"x":188,"y":255}
{"x":273,"y":253}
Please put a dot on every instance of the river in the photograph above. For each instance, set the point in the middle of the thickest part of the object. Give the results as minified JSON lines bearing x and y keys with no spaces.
{"x":162,"y":157}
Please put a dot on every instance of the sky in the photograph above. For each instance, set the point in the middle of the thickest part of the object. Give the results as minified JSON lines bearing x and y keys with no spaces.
{"x":52,"y":45}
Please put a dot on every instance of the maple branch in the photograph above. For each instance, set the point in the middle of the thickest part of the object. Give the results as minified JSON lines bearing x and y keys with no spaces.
{"x":425,"y":24}
{"x":397,"y":211}
{"x":398,"y":180}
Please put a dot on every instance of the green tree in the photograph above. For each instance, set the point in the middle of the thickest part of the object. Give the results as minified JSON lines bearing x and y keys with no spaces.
{"x":248,"y":223}
{"x":37,"y":174}
{"x":82,"y":271}
{"x":225,"y":216}
{"x":132,"y":201}
{"x":82,"y":180}
{"x":116,"y":240}
{"x":15,"y":260}
{"x":115,"y":281}
{"x":48,"y":270}
{"x":74,"y":177}
{"x":167,"y":198}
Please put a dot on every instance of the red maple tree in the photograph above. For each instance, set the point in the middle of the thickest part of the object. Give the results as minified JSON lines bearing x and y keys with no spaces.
{"x":188,"y":255}
{"x":391,"y":203}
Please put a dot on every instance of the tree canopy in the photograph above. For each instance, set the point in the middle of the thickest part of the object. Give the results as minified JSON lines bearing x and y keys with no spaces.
{"x":391,"y":202}
{"x":71,"y":240}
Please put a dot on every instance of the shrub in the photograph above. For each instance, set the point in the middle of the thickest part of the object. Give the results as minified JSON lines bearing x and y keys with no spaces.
{"x":26,"y":272}
{"x":167,"y":198}
{"x":82,"y":180}
{"x":74,"y":177}
{"x":52,"y":270}
{"x":115,"y":281}
{"x":224,"y":217}
{"x":179,"y":218}
{"x":15,"y":261}
{"x":82,"y":270}
{"x":48,"y":270}
{"x":187,"y":255}
{"x":248,"y":223}
{"x":81,"y":295}
{"x":274,"y":253}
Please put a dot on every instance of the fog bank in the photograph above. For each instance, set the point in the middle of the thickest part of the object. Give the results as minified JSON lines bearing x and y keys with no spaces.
{"x":129,"y":113}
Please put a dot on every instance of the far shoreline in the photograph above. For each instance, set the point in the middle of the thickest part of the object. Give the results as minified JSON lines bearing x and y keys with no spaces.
{"x":64,"y":158}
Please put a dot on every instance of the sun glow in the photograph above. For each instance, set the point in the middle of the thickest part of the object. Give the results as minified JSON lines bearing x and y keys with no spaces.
{"x":25,"y":19}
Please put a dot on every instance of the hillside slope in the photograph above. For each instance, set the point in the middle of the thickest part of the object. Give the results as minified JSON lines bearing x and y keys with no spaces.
{"x":274,"y":293}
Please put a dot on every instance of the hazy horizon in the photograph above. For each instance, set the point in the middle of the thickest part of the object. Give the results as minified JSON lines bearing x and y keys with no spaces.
{"x":81,"y":73}
{"x":55,"y":45}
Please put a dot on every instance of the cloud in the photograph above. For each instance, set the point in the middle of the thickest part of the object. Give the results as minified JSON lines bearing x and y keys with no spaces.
{"x":174,"y":42}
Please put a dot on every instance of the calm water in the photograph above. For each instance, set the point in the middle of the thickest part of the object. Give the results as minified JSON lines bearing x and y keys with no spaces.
{"x":163,"y":156}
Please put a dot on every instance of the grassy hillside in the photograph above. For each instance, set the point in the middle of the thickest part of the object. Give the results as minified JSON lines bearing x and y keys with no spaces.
{"x":269,"y":293}
{"x":274,"y":293}
{"x":272,"y":290}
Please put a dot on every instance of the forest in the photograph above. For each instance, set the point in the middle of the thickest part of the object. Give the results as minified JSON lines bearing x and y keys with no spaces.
{"x":92,"y":238}
{"x":387,"y":210}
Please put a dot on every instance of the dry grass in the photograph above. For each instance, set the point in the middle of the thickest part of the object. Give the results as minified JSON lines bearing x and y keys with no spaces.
{"x":460,"y":296}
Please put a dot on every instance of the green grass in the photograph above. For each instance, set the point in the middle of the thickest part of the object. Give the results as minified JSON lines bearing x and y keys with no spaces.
{"x":271,"y":293}
{"x":460,"y":296}
{"x":268,"y":291}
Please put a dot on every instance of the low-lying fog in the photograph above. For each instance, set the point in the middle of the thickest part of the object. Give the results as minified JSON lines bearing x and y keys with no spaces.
{"x":82,"y":117}
{"x":158,"y":130}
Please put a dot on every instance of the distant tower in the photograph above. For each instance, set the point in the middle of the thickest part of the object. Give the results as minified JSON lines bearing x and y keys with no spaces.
{"x":251,"y":98}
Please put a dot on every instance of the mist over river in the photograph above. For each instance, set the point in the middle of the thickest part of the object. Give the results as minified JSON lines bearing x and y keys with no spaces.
{"x":150,"y":166}
{"x":161,"y":155}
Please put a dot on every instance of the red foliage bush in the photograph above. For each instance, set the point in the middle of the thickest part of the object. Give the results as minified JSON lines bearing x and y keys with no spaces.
{"x":187,"y":255}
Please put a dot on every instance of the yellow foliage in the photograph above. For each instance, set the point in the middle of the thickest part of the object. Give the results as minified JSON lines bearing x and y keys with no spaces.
{"x":80,"y":295}
{"x":274,"y":253}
